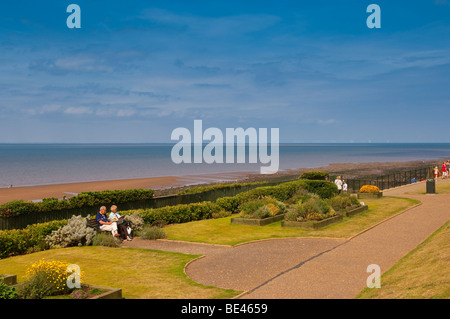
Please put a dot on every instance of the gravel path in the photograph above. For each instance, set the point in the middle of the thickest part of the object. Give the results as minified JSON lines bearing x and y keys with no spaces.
{"x":319,"y":268}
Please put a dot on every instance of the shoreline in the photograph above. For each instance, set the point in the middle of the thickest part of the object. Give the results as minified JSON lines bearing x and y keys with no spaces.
{"x":172,"y":184}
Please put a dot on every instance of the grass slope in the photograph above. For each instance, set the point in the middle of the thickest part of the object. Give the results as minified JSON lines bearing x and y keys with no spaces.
{"x":422,"y":274}
{"x":141,"y":273}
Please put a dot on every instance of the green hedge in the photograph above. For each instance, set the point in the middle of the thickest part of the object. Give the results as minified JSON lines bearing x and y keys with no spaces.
{"x":315,"y":175}
{"x":324,"y":189}
{"x":182,"y":213}
{"x":84,"y":199}
{"x":202,"y":189}
{"x":19,"y":241}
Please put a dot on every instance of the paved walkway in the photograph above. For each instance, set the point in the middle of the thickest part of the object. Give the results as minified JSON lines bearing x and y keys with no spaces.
{"x":313,"y":267}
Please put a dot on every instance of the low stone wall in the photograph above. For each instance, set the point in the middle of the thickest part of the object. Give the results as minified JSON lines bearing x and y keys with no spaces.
{"x":258,"y":222}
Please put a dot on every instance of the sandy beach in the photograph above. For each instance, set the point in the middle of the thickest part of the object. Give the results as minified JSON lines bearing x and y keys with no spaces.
{"x":164,"y":185}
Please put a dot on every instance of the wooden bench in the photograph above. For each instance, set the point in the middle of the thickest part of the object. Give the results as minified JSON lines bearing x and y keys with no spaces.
{"x":92,"y":222}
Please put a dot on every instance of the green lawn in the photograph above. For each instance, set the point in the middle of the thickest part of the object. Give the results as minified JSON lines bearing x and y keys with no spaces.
{"x":442,"y":187}
{"x":221,"y":231}
{"x":141,"y":273}
{"x":424,"y":273}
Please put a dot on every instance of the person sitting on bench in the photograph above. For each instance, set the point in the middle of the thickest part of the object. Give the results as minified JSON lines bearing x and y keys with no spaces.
{"x":105,"y":224}
{"x":115,"y":216}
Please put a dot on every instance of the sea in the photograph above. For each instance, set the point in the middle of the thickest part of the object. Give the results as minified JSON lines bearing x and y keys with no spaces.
{"x":43,"y":164}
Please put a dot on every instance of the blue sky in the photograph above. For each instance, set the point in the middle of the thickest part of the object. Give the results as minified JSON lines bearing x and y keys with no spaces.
{"x":137,"y":70}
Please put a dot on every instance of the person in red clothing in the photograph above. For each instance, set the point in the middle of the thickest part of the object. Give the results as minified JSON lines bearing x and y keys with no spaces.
{"x":444,"y":170}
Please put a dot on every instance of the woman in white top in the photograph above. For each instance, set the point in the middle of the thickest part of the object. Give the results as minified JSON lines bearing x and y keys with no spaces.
{"x":115,"y":216}
{"x":338,"y":183}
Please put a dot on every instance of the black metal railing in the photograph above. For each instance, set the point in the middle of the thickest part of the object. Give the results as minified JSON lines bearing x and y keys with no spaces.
{"x":391,"y":180}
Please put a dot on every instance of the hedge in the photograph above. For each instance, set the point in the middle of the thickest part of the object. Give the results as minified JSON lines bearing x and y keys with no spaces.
{"x":181,"y":213}
{"x":315,"y":175}
{"x":19,"y":241}
{"x":202,"y":189}
{"x":20,"y":207}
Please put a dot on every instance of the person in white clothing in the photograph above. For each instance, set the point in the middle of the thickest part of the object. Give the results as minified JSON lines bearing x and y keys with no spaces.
{"x":338,"y":183}
{"x":344,"y":187}
{"x":115,"y":216}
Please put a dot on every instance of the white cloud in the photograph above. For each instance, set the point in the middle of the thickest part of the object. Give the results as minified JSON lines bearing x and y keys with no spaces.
{"x":217,"y":26}
{"x":126,"y":112}
{"x":78,"y":110}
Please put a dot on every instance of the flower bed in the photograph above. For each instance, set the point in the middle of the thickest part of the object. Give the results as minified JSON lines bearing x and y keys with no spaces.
{"x":312,"y":224}
{"x":96,"y":292}
{"x":257,"y":221}
{"x":354,"y":211}
{"x":369,"y":191}
{"x":49,"y":279}
{"x":261,"y":211}
{"x":311,"y":212}
{"x":370,"y":195}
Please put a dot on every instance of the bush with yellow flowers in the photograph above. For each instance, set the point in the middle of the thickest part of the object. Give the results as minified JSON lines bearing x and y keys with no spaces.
{"x":369,"y":189}
{"x":45,"y":278}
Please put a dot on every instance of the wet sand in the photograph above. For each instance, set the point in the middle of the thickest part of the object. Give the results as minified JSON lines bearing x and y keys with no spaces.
{"x":169,"y":184}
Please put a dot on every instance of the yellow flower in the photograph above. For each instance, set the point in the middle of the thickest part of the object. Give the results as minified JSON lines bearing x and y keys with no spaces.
{"x":369,"y":189}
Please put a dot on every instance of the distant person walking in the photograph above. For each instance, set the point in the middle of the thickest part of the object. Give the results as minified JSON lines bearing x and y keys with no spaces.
{"x":444,"y":170}
{"x":436,"y":173}
{"x":338,"y":183}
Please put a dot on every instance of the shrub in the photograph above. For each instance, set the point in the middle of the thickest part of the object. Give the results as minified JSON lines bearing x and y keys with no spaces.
{"x":324,"y":189}
{"x":314,"y":208}
{"x":18,"y":207}
{"x":262,"y":207}
{"x":19,"y":241}
{"x":229,"y":203}
{"x":75,"y":233}
{"x":220,"y":214}
{"x":7,"y":292}
{"x":315,"y":205}
{"x":315,"y":175}
{"x":369,"y":189}
{"x":301,"y":196}
{"x":105,"y":239}
{"x":110,"y":197}
{"x":343,"y":201}
{"x":45,"y":278}
{"x":134,"y":221}
{"x":180,"y":213}
{"x":202,"y":189}
{"x":36,"y":287}
{"x":152,"y":232}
